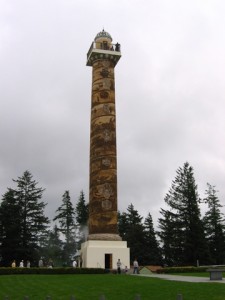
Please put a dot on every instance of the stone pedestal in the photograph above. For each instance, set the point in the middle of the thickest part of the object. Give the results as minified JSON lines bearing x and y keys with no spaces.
{"x":104,"y":254}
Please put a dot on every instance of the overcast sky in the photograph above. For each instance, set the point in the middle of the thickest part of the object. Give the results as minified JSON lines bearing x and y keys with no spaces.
{"x":170,"y":91}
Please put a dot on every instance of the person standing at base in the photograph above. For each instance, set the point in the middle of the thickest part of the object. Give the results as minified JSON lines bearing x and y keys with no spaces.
{"x":40,"y":263}
{"x":14,"y":264}
{"x":135,"y":265}
{"x":118,"y":266}
{"x":21,"y":264}
{"x":74,"y":264}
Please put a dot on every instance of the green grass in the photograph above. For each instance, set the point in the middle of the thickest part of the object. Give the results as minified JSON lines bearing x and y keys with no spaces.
{"x":114,"y":287}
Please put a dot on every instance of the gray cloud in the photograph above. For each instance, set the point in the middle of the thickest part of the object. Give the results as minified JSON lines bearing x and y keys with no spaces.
{"x":169,"y":93}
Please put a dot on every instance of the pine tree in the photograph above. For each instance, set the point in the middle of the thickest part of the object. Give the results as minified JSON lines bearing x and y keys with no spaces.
{"x":214,"y":226}
{"x":133,"y":232}
{"x":123,"y":226}
{"x":10,"y":230}
{"x":53,"y":247}
{"x":81,"y":218}
{"x":152,"y":255}
{"x":189,"y":244}
{"x":170,"y":247}
{"x":27,"y":208}
{"x":82,"y":210}
{"x":33,"y":221}
{"x":66,"y":218}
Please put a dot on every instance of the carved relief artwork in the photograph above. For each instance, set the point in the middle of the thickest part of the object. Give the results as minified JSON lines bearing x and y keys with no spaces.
{"x":107,"y":136}
{"x":106,"y":108}
{"x":107,"y":191}
{"x":102,"y":109}
{"x":103,"y":160}
{"x":104,"y":72}
{"x":104,"y":94}
{"x":106,"y":83}
{"x":101,"y":176}
{"x":106,"y":204}
{"x":106,"y":162}
{"x":106,"y":63}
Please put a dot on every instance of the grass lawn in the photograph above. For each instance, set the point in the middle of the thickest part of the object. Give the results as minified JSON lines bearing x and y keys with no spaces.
{"x":114,"y":287}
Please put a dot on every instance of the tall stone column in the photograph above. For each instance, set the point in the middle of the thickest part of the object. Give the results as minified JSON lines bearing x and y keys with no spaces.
{"x":104,"y":245}
{"x":103,"y":57}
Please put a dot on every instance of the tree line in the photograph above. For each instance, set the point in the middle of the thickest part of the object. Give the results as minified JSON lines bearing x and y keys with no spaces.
{"x":25,"y":231}
{"x":183,"y":235}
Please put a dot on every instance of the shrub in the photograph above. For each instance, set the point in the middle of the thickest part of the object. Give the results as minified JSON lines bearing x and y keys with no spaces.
{"x":181,"y":270}
{"x":17,"y":271}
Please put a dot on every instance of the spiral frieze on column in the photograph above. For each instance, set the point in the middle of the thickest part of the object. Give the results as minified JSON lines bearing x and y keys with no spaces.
{"x":103,"y":160}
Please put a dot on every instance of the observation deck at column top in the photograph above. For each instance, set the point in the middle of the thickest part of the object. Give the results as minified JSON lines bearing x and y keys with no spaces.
{"x":103,"y":48}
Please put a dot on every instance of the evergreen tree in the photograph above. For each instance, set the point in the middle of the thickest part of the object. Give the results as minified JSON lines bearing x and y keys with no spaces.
{"x":168,"y":237}
{"x":123,"y":226}
{"x":189,"y":244}
{"x":10,"y":230}
{"x":214,"y":226}
{"x":133,"y":232}
{"x":27,"y":209}
{"x":53,"y":247}
{"x":81,"y":218}
{"x":152,"y":254}
{"x":33,"y":221}
{"x":82,"y":210}
{"x":66,"y":218}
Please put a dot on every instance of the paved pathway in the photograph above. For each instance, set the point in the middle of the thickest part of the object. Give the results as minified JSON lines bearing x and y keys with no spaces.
{"x":182,"y":278}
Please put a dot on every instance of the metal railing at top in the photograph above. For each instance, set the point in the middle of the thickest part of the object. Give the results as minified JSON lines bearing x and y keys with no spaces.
{"x":104,"y":46}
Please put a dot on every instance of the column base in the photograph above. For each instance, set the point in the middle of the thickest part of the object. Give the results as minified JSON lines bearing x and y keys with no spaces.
{"x":104,"y":254}
{"x":104,"y":237}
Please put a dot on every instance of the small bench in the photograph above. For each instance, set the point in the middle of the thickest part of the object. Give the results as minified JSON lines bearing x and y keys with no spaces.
{"x":216,"y":274}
